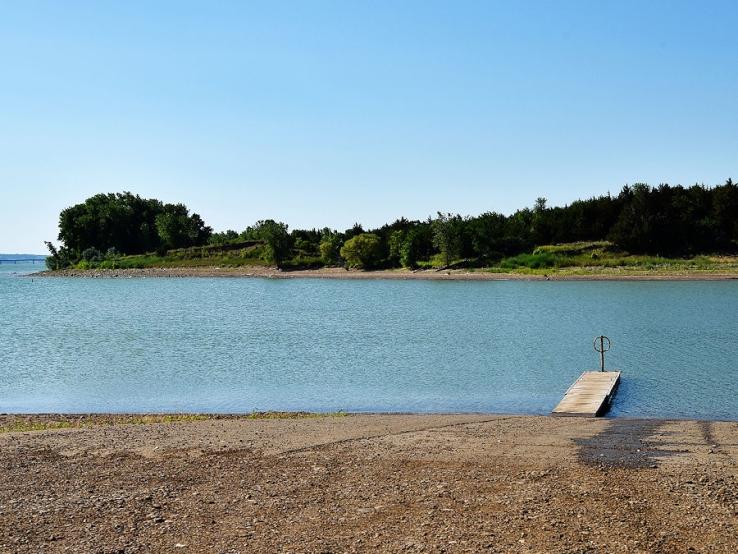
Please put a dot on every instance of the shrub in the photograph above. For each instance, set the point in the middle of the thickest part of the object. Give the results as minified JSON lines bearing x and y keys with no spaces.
{"x":363,"y":251}
{"x":59,"y":258}
{"x":330,"y":248}
{"x":92,"y":255}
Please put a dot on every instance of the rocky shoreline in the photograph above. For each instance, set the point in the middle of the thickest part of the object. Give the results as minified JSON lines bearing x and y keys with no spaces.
{"x":338,"y":273}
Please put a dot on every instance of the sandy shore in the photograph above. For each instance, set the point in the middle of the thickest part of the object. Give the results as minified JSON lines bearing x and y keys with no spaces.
{"x":338,"y":273}
{"x":373,"y":483}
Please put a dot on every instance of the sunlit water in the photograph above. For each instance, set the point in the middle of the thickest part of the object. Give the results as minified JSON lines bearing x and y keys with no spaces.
{"x":237,"y":345}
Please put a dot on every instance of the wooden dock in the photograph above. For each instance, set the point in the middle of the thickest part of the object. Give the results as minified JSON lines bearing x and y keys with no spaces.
{"x":590,"y":395}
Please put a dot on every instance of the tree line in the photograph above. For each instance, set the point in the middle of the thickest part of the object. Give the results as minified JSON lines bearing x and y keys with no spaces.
{"x":664,"y":220}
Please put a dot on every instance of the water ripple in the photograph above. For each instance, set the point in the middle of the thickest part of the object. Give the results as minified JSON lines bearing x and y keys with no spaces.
{"x":236,"y":345}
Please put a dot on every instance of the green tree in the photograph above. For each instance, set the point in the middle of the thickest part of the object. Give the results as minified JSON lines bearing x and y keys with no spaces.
{"x":58,"y":258}
{"x":634,"y":229}
{"x":362,"y":251}
{"x":277,"y":241}
{"x":330,"y":247}
{"x":488,"y":235}
{"x":395,"y":243}
{"x":122,"y":220}
{"x":447,"y":236}
{"x":541,"y":228}
{"x":223,"y":237}
{"x":725,"y":214}
{"x":357,"y":229}
{"x":409,"y":251}
{"x":129,"y":224}
{"x":178,"y":229}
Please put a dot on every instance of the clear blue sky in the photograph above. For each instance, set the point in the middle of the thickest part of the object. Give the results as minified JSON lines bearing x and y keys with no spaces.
{"x":327,"y":113}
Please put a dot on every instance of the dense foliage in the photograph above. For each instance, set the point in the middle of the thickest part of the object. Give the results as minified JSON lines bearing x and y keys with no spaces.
{"x":642,"y":220}
{"x":276,"y":239}
{"x":363,"y":251}
{"x":124,"y":223}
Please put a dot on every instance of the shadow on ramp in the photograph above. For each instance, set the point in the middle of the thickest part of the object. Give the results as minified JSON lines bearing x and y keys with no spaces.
{"x":627,"y":443}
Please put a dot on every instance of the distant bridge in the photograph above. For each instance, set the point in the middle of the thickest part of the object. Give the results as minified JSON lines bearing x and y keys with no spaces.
{"x":24,"y":261}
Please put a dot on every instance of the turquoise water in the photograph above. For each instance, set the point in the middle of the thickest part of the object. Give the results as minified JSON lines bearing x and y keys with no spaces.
{"x":237,"y":345}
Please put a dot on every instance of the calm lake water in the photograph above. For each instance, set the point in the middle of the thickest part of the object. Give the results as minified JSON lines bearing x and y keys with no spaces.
{"x":237,"y":345}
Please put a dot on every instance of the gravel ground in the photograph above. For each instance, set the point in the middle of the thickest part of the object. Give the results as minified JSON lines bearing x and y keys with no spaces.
{"x":372,"y":483}
{"x":595,"y":274}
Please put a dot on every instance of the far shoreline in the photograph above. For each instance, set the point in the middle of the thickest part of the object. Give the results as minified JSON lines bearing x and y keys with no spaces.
{"x":596,"y":274}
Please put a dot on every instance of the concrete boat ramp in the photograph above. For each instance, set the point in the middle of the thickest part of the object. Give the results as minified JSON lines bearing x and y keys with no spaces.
{"x":590,"y":395}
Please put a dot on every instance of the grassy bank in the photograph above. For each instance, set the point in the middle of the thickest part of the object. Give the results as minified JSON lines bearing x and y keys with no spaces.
{"x":600,"y":257}
{"x":580,"y":258}
{"x":40,"y":422}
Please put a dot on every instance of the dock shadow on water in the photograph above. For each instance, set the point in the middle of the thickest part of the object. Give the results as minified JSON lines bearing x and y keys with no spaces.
{"x":627,"y":443}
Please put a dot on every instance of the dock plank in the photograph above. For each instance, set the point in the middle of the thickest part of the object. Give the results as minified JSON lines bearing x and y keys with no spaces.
{"x":590,"y":395}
